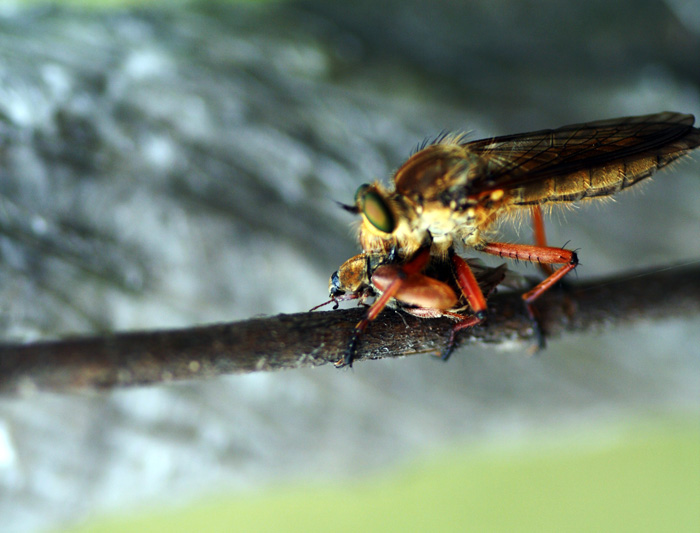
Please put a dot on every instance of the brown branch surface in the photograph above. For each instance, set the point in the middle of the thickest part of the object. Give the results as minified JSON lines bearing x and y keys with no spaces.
{"x":307,"y":339}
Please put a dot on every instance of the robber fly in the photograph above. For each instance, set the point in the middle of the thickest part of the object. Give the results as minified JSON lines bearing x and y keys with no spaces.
{"x":447,"y":196}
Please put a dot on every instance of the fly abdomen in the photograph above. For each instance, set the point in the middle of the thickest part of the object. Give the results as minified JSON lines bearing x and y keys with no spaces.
{"x":604,"y":180}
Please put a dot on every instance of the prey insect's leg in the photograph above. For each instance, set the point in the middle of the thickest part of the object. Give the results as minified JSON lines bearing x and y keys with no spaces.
{"x":475,"y":297}
{"x":536,"y":254}
{"x":540,"y":236}
{"x":415,"y":265}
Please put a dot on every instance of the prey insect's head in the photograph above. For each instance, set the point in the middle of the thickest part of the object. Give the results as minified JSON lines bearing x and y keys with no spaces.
{"x":335,"y":288}
{"x":351,"y":278}
{"x":349,"y":282}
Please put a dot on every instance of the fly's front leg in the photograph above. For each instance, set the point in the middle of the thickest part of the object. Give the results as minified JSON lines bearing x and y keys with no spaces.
{"x":544,"y":255}
{"x":414,"y":266}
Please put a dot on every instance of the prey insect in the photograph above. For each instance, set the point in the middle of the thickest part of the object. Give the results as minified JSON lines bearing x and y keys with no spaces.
{"x":429,"y":288}
{"x":446,"y":198}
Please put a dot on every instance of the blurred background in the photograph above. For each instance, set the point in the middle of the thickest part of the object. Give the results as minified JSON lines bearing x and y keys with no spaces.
{"x":177,"y":164}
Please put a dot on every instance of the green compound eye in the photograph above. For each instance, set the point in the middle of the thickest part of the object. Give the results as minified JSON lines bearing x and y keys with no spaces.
{"x":375,"y":209}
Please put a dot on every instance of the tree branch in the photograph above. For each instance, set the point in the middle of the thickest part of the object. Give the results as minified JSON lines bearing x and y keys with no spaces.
{"x":308,"y":339}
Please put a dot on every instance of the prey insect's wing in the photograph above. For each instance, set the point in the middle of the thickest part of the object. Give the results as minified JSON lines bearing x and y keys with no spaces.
{"x":581,"y":160}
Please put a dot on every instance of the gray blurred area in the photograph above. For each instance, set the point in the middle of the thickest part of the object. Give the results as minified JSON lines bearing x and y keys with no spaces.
{"x":175,"y":167}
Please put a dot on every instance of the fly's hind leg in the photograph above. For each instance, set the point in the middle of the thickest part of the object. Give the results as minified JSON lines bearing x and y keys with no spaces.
{"x":543,"y":255}
{"x":540,"y":236}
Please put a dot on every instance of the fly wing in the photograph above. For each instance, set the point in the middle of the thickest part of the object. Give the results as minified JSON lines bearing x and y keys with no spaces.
{"x":573,"y":162}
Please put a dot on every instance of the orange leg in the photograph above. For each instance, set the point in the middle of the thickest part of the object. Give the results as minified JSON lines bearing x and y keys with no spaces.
{"x":537,"y":254}
{"x":470,"y":287}
{"x":540,"y":236}
{"x":475,"y":297}
{"x":465,"y":322}
{"x":415,"y":265}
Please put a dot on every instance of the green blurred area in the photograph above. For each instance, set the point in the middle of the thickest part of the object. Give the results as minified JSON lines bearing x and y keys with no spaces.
{"x":645,"y":478}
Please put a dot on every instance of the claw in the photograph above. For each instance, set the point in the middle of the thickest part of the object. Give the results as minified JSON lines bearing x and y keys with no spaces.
{"x":349,"y":355}
{"x":540,"y":341}
{"x":468,"y":322}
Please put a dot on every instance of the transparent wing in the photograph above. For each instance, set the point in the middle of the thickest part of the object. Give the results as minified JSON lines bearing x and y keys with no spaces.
{"x":514,"y":161}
